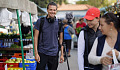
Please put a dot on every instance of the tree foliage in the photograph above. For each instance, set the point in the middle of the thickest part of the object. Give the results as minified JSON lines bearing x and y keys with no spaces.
{"x":97,"y":3}
{"x":43,"y":3}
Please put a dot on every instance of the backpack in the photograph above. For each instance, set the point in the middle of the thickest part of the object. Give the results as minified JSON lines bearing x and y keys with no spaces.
{"x":41,"y":25}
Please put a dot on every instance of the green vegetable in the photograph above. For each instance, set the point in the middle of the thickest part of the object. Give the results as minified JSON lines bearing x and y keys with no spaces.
{"x":14,"y":46}
{"x":78,"y":30}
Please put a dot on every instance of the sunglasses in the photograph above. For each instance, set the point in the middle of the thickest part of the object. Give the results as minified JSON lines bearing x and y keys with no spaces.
{"x":110,"y":17}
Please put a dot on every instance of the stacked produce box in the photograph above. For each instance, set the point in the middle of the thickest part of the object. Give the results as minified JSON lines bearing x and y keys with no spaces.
{"x":16,"y":64}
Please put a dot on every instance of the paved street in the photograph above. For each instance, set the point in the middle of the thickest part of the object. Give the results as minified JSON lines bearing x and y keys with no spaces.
{"x":72,"y":62}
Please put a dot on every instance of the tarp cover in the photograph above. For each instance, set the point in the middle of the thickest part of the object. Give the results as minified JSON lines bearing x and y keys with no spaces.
{"x":9,"y":4}
{"x":33,"y":7}
{"x":23,"y":5}
{"x":5,"y":17}
{"x":25,"y":19}
{"x":34,"y":18}
{"x":14,"y":14}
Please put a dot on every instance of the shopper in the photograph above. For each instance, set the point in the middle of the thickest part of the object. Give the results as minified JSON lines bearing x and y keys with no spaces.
{"x":80,"y":24}
{"x":47,"y":50}
{"x":87,"y":37}
{"x":68,"y":31}
{"x":109,"y":26}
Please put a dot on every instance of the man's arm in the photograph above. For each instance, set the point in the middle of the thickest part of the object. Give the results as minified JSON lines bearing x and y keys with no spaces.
{"x":60,"y":41}
{"x":37,"y":57}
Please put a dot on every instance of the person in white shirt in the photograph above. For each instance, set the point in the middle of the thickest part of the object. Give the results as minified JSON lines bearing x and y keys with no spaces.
{"x":101,"y":52}
{"x":86,"y":38}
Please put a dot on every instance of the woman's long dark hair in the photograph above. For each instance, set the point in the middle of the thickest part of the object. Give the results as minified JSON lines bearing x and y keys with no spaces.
{"x":110,"y":17}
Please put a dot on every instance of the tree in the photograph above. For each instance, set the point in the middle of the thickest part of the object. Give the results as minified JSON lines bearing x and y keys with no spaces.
{"x":97,"y":3}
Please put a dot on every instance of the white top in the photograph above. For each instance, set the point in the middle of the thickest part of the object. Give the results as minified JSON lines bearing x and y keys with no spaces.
{"x":81,"y":48}
{"x":95,"y":60}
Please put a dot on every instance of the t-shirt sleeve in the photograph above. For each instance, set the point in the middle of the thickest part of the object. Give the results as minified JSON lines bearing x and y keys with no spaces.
{"x":61,"y":27}
{"x":84,"y":24}
{"x":76,"y":25}
{"x":37,"y":24}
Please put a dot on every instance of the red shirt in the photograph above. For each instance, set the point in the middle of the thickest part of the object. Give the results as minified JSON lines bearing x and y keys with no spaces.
{"x":80,"y":25}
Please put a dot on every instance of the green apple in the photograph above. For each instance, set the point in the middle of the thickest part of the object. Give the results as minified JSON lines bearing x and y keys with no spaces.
{"x":6,"y":61}
{"x":11,"y":68}
{"x":15,"y":69}
{"x":10,"y":60}
{"x":28,"y":61}
{"x":13,"y":59}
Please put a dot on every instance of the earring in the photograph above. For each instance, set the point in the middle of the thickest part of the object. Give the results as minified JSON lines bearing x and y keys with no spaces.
{"x":111,"y":29}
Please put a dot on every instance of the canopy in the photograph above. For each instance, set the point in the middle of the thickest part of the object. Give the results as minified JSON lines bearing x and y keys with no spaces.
{"x":23,"y":5}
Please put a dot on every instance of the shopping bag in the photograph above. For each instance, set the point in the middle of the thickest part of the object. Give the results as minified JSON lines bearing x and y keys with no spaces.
{"x":74,"y":37}
{"x":116,"y":65}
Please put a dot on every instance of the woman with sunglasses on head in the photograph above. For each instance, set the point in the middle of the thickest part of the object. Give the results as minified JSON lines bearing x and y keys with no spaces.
{"x":101,"y":52}
{"x":87,"y":36}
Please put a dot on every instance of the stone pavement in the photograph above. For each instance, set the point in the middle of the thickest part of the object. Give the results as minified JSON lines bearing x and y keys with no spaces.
{"x":73,"y":62}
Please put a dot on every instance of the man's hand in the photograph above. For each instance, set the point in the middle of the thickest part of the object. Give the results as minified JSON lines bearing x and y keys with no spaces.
{"x":106,"y":60}
{"x":61,"y":59}
{"x":37,"y":58}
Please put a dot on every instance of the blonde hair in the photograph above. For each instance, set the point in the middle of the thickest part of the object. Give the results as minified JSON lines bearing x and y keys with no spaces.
{"x":65,"y":21}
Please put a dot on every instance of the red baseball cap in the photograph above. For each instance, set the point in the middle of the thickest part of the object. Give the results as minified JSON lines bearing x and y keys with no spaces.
{"x":92,"y":13}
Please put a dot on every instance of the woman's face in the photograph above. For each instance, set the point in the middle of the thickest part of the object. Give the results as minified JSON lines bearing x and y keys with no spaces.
{"x":104,"y":27}
{"x":93,"y":23}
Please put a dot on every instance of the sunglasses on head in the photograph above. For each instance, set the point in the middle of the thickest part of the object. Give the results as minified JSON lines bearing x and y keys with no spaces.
{"x":110,"y":17}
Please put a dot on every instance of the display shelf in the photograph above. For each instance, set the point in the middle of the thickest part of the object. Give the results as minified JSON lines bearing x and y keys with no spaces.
{"x":16,"y":49}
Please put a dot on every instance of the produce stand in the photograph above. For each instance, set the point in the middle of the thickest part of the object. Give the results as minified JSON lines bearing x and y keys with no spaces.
{"x":31,"y":8}
{"x":15,"y":49}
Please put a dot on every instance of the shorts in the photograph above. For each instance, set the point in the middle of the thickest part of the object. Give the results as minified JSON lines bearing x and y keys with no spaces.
{"x":68,"y":44}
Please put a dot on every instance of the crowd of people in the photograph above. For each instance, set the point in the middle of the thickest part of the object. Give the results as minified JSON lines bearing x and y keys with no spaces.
{"x":96,"y":39}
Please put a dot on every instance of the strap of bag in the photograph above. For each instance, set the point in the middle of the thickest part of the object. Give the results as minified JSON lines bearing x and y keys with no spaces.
{"x":114,"y":57}
{"x":40,"y":29}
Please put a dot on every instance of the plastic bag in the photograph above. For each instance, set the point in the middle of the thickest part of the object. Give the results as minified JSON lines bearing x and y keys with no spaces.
{"x":116,"y":65}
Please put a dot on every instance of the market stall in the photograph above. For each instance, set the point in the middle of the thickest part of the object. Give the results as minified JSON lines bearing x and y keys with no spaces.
{"x":14,"y":13}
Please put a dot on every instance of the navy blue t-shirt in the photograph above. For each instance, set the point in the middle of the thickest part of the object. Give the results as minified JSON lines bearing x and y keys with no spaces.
{"x":48,"y":43}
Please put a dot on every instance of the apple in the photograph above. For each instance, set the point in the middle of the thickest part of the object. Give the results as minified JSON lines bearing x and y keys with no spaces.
{"x":10,"y":60}
{"x":11,"y":68}
{"x":13,"y":59}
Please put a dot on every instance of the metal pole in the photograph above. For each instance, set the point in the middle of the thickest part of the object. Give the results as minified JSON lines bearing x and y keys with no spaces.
{"x":32,"y":33}
{"x":21,"y":40}
{"x":117,"y":6}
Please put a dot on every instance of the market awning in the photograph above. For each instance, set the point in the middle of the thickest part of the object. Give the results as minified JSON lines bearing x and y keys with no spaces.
{"x":43,"y":9}
{"x":23,"y":5}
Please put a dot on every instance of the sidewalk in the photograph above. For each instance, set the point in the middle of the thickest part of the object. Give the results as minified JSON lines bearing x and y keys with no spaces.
{"x":73,"y":62}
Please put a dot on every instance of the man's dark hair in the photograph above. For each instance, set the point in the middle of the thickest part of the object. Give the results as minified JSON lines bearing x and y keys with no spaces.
{"x":52,"y":3}
{"x":81,"y":19}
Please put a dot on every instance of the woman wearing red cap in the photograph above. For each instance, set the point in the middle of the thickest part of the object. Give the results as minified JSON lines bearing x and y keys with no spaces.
{"x":87,"y":37}
{"x":101,"y":52}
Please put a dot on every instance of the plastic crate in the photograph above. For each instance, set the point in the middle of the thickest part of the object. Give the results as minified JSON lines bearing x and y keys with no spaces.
{"x":12,"y":64}
{"x":19,"y":54}
{"x":33,"y":68}
{"x":2,"y":62}
{"x":2,"y":68}
{"x":29,"y":66}
{"x":16,"y":68}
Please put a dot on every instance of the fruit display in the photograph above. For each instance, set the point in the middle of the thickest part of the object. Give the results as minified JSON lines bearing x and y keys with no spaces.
{"x":16,"y":64}
{"x":17,"y":60}
{"x":17,"y":68}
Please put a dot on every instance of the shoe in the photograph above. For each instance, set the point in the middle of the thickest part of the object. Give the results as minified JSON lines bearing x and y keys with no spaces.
{"x":69,"y":55}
